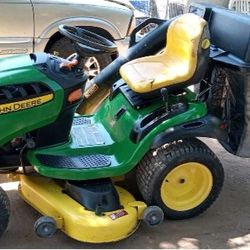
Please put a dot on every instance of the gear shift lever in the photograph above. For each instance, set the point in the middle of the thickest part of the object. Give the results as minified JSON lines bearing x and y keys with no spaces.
{"x":164,"y":93}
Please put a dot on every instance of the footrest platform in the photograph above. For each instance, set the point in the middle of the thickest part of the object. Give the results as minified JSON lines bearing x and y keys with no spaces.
{"x":76,"y":162}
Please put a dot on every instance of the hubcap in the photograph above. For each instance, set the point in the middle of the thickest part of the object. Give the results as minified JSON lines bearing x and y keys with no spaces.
{"x":186,"y":186}
{"x":91,"y":67}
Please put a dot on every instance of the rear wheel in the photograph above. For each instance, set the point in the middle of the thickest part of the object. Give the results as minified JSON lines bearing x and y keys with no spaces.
{"x":4,"y":211}
{"x":93,"y":65}
{"x":184,"y":178}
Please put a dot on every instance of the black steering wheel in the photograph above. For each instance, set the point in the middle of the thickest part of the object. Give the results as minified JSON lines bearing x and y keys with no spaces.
{"x":88,"y":42}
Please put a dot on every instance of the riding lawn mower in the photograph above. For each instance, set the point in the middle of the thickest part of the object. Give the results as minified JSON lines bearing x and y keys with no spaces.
{"x":68,"y":163}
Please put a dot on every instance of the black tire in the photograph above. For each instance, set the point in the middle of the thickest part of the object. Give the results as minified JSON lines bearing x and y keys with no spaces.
{"x":153,"y":216}
{"x":63,"y":48}
{"x":45,"y":227}
{"x":156,"y":165}
{"x":4,"y":211}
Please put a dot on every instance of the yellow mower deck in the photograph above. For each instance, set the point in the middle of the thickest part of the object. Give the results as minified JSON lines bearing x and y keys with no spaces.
{"x":47,"y":197}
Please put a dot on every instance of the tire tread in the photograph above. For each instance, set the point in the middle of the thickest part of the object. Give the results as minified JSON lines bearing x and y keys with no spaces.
{"x":4,"y":211}
{"x":149,"y":168}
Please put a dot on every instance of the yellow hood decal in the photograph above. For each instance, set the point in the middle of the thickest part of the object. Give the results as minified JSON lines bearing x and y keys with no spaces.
{"x":25,"y":104}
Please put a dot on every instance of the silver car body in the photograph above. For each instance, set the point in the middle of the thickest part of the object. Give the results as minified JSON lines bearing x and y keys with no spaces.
{"x":28,"y":25}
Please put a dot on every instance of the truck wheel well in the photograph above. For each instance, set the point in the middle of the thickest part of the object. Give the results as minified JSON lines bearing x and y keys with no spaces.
{"x":55,"y":37}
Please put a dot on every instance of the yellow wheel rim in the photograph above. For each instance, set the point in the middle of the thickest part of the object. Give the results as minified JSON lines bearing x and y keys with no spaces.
{"x":186,"y":186}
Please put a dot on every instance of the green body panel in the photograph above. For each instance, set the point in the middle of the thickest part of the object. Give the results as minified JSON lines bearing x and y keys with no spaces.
{"x":124,"y":154}
{"x":20,"y":70}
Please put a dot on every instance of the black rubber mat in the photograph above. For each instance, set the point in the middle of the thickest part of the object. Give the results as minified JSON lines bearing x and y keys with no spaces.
{"x":78,"y":162}
{"x":81,"y":121}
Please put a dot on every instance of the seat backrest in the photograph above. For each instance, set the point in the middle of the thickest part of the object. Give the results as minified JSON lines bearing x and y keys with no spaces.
{"x":185,"y":36}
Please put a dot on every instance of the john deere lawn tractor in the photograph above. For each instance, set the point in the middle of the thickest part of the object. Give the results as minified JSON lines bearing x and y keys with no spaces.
{"x":68,"y":163}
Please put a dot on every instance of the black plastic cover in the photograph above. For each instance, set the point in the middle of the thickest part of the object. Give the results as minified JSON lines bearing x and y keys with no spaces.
{"x":230,"y":31}
{"x":50,"y":66}
{"x":207,"y":126}
{"x":70,"y":80}
{"x":236,"y":111}
{"x":75,"y":162}
{"x":230,"y":34}
{"x":230,"y":51}
{"x":95,"y":195}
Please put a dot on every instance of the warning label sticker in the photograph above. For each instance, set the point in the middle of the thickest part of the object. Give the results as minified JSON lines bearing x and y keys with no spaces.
{"x":118,"y":215}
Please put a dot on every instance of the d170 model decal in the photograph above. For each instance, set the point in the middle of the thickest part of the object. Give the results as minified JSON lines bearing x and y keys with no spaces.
{"x":25,"y":104}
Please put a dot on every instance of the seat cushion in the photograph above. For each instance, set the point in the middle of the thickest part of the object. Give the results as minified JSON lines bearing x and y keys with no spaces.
{"x":175,"y":65}
{"x":153,"y":73}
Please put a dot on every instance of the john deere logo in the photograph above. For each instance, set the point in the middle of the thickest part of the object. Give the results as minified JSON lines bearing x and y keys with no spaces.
{"x":25,"y":104}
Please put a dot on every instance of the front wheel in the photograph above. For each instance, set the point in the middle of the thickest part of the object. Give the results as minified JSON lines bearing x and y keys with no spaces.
{"x":4,"y":211}
{"x":184,"y":178}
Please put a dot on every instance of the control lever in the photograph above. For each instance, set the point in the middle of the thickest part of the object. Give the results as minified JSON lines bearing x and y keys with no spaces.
{"x":70,"y":62}
{"x":165,"y":98}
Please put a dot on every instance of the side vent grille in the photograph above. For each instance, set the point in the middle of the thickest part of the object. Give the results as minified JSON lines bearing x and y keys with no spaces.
{"x":22,"y":91}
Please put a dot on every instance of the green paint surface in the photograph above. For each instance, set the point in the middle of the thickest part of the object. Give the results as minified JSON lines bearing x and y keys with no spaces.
{"x":20,"y":70}
{"x":124,"y":154}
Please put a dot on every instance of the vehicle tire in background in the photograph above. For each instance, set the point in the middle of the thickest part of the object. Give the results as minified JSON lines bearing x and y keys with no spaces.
{"x":4,"y":211}
{"x":93,"y":65}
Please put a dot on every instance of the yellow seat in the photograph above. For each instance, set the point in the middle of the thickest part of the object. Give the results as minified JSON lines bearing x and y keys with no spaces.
{"x":187,"y":40}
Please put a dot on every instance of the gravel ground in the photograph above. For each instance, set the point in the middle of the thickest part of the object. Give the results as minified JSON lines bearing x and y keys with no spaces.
{"x":225,"y":225}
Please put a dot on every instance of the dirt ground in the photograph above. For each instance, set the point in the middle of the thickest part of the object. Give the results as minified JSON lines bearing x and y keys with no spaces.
{"x":225,"y":225}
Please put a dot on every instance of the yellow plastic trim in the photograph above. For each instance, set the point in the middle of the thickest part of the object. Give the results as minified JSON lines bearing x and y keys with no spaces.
{"x":186,"y":186}
{"x":14,"y":176}
{"x":25,"y":104}
{"x":118,"y":178}
{"x":140,"y":206}
{"x":73,"y":219}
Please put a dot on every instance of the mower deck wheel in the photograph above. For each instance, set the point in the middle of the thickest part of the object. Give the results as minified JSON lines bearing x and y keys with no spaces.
{"x":45,"y":227}
{"x":153,"y":216}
